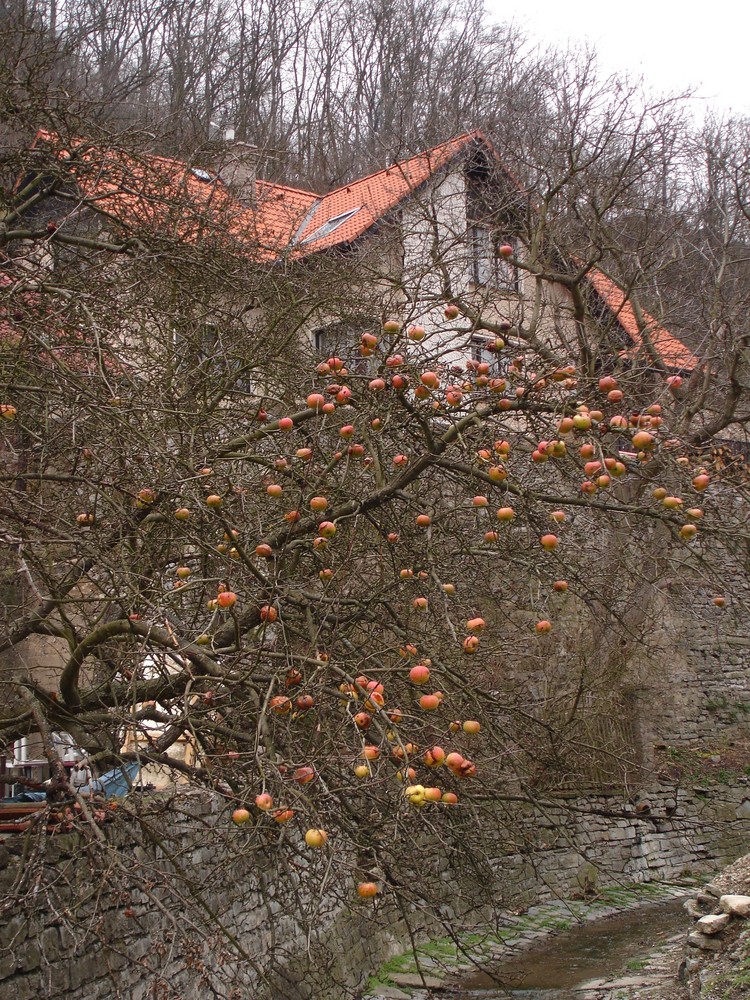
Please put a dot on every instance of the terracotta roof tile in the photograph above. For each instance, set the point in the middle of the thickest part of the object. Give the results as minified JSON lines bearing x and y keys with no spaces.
{"x":280,"y":212}
{"x":670,"y":349}
{"x":165,"y":195}
{"x":377,"y":194}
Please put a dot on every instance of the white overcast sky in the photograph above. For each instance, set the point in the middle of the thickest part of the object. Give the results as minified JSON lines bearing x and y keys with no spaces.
{"x":674,"y":45}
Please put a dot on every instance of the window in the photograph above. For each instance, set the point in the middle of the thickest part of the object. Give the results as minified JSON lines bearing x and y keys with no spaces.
{"x":487,"y":266}
{"x":343,"y":340}
{"x":499,"y":361}
{"x":214,"y":356}
{"x":330,"y":226}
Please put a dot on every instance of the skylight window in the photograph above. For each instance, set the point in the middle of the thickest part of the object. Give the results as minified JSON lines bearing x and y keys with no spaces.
{"x":202,"y":175}
{"x":330,"y":226}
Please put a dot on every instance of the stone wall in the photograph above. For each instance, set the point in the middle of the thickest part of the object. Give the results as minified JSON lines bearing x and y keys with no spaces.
{"x":174,"y":906}
{"x":692,"y":681}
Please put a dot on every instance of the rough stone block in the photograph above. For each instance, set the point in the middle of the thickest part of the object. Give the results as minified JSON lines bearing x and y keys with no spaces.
{"x":737,"y":906}
{"x":713,"y":923}
{"x":703,"y":942}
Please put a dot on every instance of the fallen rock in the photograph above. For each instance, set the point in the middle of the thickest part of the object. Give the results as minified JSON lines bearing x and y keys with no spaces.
{"x":414,"y":979}
{"x":630,"y":983}
{"x":693,"y":908}
{"x":703,"y":941}
{"x":714,"y":923}
{"x":737,"y":906}
{"x":389,"y":993}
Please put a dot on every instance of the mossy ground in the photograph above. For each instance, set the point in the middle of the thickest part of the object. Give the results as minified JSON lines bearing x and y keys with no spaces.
{"x":477,"y":948}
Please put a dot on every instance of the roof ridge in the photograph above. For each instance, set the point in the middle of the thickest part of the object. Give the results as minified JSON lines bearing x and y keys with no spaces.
{"x":289,"y":187}
{"x":462,"y":138}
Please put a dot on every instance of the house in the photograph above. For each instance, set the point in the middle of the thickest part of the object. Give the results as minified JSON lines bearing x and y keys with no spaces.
{"x":448,"y":224}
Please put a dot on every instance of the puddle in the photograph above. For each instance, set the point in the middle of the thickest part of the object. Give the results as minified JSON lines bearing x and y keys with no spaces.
{"x":613,"y":946}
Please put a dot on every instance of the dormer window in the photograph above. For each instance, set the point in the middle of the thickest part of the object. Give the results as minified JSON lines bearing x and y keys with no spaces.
{"x":330,"y":226}
{"x":487,"y":266}
{"x":201,"y":175}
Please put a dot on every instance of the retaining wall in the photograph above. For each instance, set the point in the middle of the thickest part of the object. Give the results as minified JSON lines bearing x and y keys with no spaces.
{"x":183,"y":912}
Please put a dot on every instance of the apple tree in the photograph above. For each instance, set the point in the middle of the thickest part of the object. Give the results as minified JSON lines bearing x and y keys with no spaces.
{"x":363,"y":599}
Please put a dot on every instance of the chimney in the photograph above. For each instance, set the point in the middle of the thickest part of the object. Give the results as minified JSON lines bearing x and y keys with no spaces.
{"x":237,"y":164}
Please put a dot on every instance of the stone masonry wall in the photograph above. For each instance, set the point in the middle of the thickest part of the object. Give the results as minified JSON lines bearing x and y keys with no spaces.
{"x":131,"y":920}
{"x":692,"y":682}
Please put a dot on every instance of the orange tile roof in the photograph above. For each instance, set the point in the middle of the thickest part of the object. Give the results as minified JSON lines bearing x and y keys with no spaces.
{"x":169,"y":196}
{"x":670,"y":349}
{"x":280,"y":211}
{"x":158,"y":192}
{"x":59,"y":345}
{"x":377,"y":194}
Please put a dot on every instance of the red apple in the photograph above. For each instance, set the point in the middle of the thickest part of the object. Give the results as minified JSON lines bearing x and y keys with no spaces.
{"x":367,"y":890}
{"x":280,"y":704}
{"x":643,"y":441}
{"x":419,"y":674}
{"x":429,"y":702}
{"x":434,"y":757}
